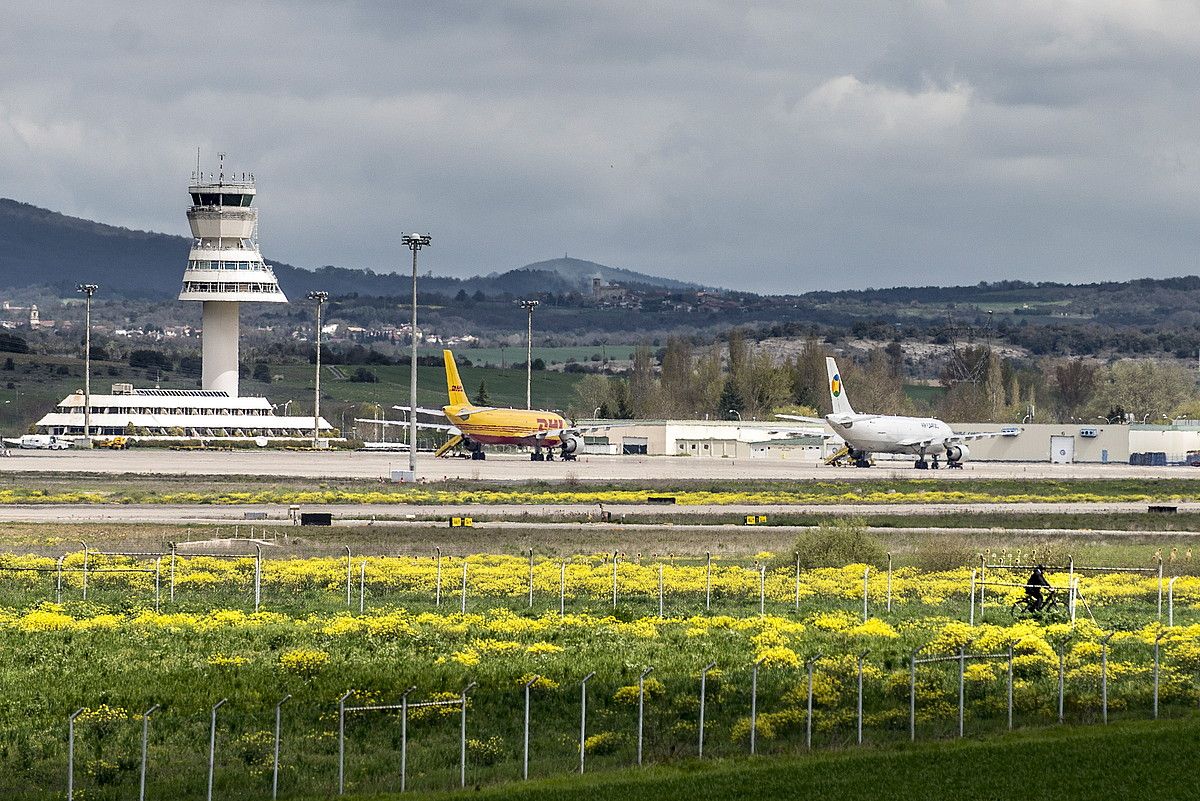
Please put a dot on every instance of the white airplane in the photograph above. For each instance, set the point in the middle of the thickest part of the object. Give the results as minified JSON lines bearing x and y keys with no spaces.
{"x":878,"y":433}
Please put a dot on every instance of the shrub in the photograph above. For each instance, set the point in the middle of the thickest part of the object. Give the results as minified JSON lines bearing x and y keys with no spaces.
{"x":839,"y":542}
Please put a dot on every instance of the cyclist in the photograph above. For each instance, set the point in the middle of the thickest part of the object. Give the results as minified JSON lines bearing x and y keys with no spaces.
{"x":1033,"y":589}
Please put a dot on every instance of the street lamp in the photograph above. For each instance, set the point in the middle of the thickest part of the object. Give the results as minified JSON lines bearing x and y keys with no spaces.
{"x":596,"y":414}
{"x":320,"y":298}
{"x":739,"y":414}
{"x":529,"y":306}
{"x":413,"y":242}
{"x":88,"y":290}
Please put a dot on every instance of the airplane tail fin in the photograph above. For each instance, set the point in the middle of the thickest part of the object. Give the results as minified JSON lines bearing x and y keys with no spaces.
{"x":837,"y":389}
{"x":454,"y":385}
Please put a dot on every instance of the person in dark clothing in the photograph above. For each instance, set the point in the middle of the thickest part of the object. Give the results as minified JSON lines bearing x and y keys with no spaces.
{"x":1033,"y":589}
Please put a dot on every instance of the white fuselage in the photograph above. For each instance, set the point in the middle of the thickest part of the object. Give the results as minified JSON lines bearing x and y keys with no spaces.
{"x":885,"y":434}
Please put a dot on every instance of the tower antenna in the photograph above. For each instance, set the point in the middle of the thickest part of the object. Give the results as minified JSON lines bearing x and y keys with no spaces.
{"x":198,"y":176}
{"x":221,"y":171}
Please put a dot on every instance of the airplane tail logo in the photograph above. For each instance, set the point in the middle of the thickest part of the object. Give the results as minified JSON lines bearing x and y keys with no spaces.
{"x":454,"y":385}
{"x":837,"y":390}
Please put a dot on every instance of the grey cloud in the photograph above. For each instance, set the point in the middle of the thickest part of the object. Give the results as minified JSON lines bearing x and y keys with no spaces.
{"x":768,"y":146}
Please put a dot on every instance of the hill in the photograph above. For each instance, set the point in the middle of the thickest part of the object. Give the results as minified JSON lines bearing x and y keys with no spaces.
{"x":45,"y":248}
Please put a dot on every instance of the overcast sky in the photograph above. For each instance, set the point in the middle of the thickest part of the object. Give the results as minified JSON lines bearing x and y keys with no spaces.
{"x":769,"y":146}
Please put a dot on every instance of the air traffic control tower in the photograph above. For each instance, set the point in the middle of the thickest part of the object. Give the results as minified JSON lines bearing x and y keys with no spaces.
{"x":224,"y":269}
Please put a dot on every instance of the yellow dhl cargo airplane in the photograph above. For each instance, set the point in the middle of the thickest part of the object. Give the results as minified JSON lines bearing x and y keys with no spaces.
{"x":475,"y":426}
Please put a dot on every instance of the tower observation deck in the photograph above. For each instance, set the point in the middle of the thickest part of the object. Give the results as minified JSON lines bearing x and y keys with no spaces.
{"x":225,"y":268}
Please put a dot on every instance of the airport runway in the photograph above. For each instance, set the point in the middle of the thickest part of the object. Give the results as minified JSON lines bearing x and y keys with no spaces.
{"x":502,"y":467}
{"x":366,"y":514}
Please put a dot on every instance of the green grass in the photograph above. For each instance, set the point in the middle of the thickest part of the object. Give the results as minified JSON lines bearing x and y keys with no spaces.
{"x":1135,"y":760}
{"x":552,"y":355}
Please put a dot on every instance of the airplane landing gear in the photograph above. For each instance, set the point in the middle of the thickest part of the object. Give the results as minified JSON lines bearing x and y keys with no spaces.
{"x":921,"y":464}
{"x":537,"y":456}
{"x":954,"y":466}
{"x":936,"y":464}
{"x":476,"y":450}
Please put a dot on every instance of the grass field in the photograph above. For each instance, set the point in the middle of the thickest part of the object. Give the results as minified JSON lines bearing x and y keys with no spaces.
{"x":497,"y":357}
{"x":89,"y":488}
{"x":1048,"y":765}
{"x":114,"y":656}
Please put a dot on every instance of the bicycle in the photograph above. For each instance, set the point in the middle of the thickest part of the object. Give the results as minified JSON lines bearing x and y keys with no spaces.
{"x":1052,"y":605}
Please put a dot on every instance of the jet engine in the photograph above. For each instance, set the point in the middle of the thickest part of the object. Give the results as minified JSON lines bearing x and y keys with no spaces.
{"x":572,"y":445}
{"x":957,"y":452}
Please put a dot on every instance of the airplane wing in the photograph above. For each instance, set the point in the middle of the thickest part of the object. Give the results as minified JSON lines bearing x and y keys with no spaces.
{"x":800,"y":418}
{"x":973,"y":435}
{"x":406,"y":424}
{"x":421,"y":410}
{"x":964,"y":437}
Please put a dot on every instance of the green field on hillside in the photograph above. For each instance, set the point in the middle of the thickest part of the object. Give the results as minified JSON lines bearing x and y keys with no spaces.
{"x":551,"y":355}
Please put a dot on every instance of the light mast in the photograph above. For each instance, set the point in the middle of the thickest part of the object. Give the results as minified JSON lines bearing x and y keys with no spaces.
{"x":224,"y":268}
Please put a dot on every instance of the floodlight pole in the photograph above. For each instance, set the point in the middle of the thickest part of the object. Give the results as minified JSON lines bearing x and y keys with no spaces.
{"x":413,"y":242}
{"x":320,"y":298}
{"x":88,"y":290}
{"x":529,"y":306}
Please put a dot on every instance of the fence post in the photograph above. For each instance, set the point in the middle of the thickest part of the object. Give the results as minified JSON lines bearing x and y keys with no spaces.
{"x":660,"y":591}
{"x":614,"y":579}
{"x":1160,"y":586}
{"x":982,"y":583}
{"x":808,"y":724}
{"x":145,"y":743}
{"x":762,"y":589}
{"x":349,"y":568}
{"x":889,"y":583}
{"x":912,"y":697}
{"x":641,"y":711}
{"x":212,"y":745}
{"x":257,"y":577}
{"x":583,"y":719}
{"x":275,"y":758}
{"x":1104,"y":676}
{"x":85,"y":568}
{"x":464,"y":586}
{"x":1062,"y":672}
{"x":972,"y":618}
{"x":754,"y":704}
{"x":1171,"y":600}
{"x":462,"y":739}
{"x":437,"y":593}
{"x":172,"y":594}
{"x":362,"y":586}
{"x":58,"y":581}
{"x":562,"y":589}
{"x":1010,"y":686}
{"x":962,"y":695}
{"x":1071,"y":585}
{"x":861,"y":659}
{"x":525,"y":752}
{"x":708,"y":581}
{"x":866,"y":574}
{"x":342,"y":742}
{"x":703,"y":692}
{"x":1157,"y":643}
{"x":71,"y":753}
{"x":404,"y":739}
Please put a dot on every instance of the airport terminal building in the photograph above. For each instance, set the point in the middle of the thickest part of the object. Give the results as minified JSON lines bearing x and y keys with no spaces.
{"x":1029,"y":442}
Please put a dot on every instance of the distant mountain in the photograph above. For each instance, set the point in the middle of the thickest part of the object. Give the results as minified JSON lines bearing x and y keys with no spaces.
{"x":581,"y":273}
{"x":39,"y":247}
